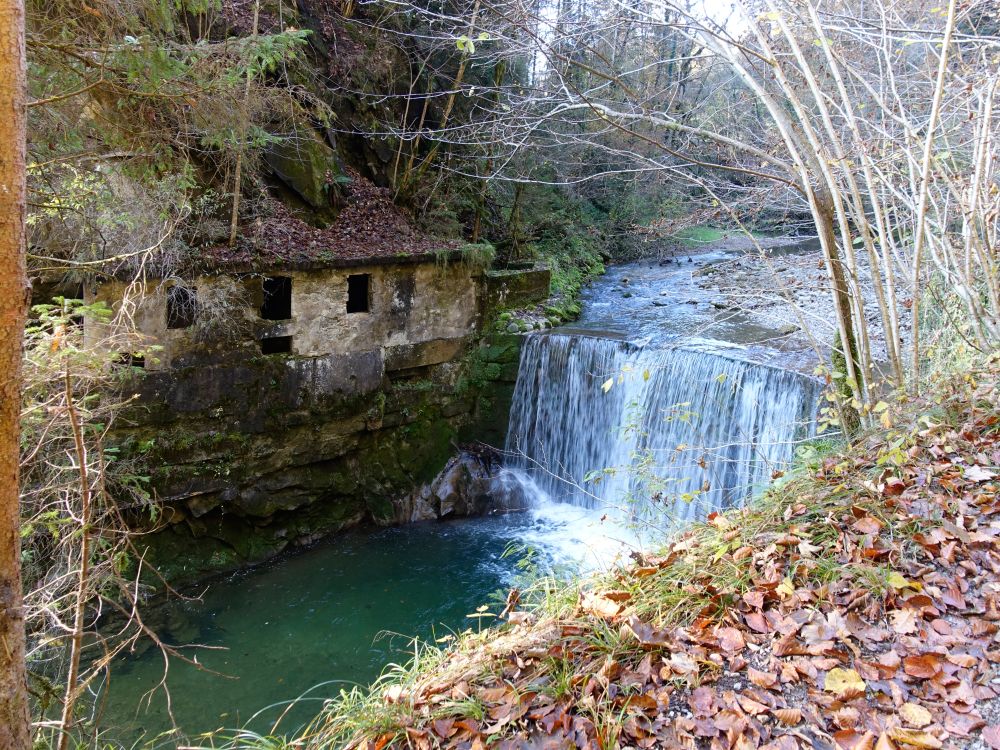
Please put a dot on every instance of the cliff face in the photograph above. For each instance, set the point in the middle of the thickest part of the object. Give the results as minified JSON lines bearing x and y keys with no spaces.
{"x":250,"y":453}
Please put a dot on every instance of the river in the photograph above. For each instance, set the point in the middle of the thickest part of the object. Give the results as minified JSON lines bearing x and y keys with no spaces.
{"x":656,"y":392}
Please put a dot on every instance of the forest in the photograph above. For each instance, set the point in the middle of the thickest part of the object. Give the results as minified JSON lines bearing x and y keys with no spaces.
{"x":500,"y":373}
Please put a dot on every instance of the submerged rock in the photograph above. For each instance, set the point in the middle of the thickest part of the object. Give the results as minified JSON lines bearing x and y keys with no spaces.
{"x":465,"y":487}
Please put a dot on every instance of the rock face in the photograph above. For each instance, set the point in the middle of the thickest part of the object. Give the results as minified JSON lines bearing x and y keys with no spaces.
{"x":251,"y":453}
{"x":311,"y":169}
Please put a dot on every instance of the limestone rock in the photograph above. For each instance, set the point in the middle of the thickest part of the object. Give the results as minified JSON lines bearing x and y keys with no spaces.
{"x":465,"y":487}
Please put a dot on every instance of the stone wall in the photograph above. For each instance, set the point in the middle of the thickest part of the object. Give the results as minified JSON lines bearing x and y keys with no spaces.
{"x":419,"y":312}
{"x":515,"y":288}
{"x":251,"y":454}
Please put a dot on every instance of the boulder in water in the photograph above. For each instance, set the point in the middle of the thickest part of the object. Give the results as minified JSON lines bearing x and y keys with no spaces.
{"x":465,"y":487}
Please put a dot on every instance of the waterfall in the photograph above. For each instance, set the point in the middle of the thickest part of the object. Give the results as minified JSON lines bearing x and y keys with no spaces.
{"x":601,"y":422}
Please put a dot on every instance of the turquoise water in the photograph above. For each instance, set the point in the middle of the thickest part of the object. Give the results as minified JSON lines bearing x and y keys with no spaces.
{"x":325,"y":614}
{"x":330,"y":617}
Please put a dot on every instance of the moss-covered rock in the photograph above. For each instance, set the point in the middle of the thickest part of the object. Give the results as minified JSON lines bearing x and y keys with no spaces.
{"x":307,"y":165}
{"x":249,"y":463}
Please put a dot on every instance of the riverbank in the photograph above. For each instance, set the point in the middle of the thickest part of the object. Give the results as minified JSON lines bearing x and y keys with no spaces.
{"x":790,"y":291}
{"x":855,"y":605}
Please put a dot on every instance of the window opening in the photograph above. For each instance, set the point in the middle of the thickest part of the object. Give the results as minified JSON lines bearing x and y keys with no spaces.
{"x":129,"y":359}
{"x":182,"y":305}
{"x":277,"y":298}
{"x":276,"y":345}
{"x":359,"y":293}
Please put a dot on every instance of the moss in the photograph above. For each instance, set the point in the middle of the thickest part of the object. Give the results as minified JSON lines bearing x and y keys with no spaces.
{"x":698,"y":237}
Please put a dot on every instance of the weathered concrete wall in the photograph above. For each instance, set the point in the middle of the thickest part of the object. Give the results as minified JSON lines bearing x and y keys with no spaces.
{"x":419,"y":314}
{"x":409,"y":304}
{"x":516,"y":288}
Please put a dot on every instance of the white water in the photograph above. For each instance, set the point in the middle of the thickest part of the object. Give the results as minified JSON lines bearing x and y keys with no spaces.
{"x":679,"y":433}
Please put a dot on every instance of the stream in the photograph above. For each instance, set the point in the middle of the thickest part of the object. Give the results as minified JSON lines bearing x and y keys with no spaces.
{"x":656,"y":407}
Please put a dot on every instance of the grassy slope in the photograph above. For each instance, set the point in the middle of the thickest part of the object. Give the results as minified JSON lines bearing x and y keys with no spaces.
{"x":855,"y":605}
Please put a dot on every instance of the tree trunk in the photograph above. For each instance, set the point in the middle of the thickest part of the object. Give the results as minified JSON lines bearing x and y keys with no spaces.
{"x":15,"y":727}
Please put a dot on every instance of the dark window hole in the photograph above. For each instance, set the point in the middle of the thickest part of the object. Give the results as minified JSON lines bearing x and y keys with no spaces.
{"x":277,"y":298}
{"x":129,"y":359}
{"x":359,"y":293}
{"x":276,"y":345}
{"x":182,"y":306}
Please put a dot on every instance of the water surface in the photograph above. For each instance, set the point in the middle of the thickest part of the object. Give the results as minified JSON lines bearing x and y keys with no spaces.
{"x":333,"y":616}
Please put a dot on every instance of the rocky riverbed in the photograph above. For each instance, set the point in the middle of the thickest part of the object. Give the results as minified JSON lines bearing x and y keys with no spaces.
{"x":782,"y":284}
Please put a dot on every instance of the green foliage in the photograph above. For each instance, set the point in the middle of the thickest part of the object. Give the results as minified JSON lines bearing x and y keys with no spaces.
{"x":564,"y":233}
{"x":148,"y":127}
{"x":699,"y":236}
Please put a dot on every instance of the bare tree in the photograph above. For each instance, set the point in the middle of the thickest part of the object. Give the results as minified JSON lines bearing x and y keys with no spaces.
{"x":878,"y":123}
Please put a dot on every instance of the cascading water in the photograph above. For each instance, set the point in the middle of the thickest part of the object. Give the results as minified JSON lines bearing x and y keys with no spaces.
{"x":316,"y":616}
{"x":656,"y":433}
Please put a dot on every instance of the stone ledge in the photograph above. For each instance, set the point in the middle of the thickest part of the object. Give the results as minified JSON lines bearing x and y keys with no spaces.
{"x":424,"y":353}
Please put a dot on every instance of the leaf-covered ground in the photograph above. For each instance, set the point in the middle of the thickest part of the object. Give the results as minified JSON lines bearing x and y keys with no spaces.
{"x":857,"y":605}
{"x":370,"y":227}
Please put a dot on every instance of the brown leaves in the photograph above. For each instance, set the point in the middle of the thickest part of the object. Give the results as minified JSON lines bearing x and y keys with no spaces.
{"x":647,"y":635}
{"x":731,"y":640}
{"x":915,"y":715}
{"x":867,"y":525}
{"x":764,"y":680}
{"x":788,"y":716}
{"x":991,"y":735}
{"x":915,"y":738}
{"x":872,"y":637}
{"x":600,"y":606}
{"x":924,"y":666}
{"x":369,"y":226}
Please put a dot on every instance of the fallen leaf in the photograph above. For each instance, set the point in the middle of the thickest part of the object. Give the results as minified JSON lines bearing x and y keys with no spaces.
{"x":924,"y":666}
{"x":683,"y":663}
{"x":393,"y":694}
{"x":904,"y":621}
{"x":991,"y":736}
{"x":978,"y":474}
{"x":844,"y":683}
{"x":600,"y":606}
{"x":915,"y":737}
{"x":915,"y":715}
{"x":757,"y":622}
{"x":786,"y":588}
{"x":849,"y":739}
{"x":867,"y":525}
{"x":788,"y":716}
{"x":647,"y":635}
{"x":762,"y":679}
{"x":730,"y":639}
